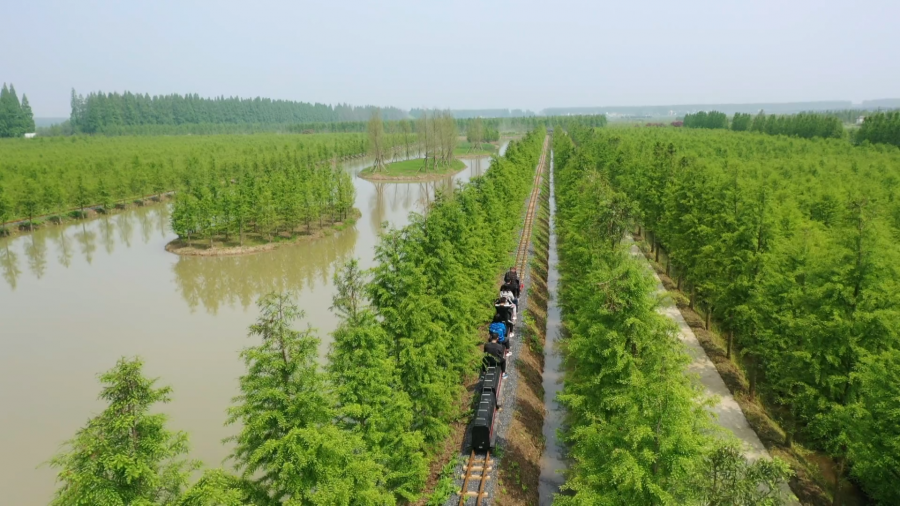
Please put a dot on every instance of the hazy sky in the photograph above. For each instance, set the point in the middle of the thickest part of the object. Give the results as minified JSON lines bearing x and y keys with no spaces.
{"x":459,"y":54}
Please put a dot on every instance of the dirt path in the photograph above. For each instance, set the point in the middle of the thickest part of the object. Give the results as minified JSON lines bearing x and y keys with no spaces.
{"x":728,"y":411}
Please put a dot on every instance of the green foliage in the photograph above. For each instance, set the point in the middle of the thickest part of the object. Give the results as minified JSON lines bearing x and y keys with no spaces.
{"x":102,"y":112}
{"x":639,"y":430}
{"x":432,"y":282}
{"x":218,"y":488}
{"x":125,"y":455}
{"x":281,"y":391}
{"x":883,"y":127}
{"x":56,"y":174}
{"x":728,"y":479}
{"x":806,"y":125}
{"x":789,"y":243}
{"x":273,"y":196}
{"x":16,"y":119}
{"x":365,"y":379}
{"x":741,"y":122}
{"x":703,"y":119}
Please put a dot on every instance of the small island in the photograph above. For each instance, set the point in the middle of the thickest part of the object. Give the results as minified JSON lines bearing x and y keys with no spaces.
{"x":256,"y":241}
{"x":412,"y":170}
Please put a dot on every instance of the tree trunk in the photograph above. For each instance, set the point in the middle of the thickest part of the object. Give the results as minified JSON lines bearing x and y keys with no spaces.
{"x":837,"y":482}
{"x":657,"y":250}
{"x":708,"y":316}
{"x":693,"y":295}
{"x":753,"y":375}
{"x":678,"y":287}
{"x":730,"y":341}
{"x":667,"y":265}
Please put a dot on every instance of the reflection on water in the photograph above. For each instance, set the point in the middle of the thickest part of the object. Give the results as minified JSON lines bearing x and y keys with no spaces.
{"x":212,"y":282}
{"x":74,"y":298}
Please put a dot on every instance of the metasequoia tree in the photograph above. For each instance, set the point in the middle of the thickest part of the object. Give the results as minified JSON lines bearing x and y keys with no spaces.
{"x":124,"y":455}
{"x":378,"y":143}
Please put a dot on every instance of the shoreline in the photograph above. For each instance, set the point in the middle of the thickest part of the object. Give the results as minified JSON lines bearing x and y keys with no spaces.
{"x":180,"y":247}
{"x":434,"y":176}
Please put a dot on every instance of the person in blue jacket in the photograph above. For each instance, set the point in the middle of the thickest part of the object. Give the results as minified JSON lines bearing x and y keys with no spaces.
{"x":498,"y":327}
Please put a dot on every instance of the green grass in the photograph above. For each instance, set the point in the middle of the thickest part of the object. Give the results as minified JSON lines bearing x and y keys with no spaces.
{"x":413,"y":168}
{"x":466,"y":148}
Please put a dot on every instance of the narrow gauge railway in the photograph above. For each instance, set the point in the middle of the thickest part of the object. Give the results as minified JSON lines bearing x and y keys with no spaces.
{"x":484,"y":427}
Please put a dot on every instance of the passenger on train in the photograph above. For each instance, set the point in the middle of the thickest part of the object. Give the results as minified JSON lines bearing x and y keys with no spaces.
{"x":498,"y":327}
{"x":496,"y":351}
{"x":505,"y":310}
{"x":512,"y":277}
{"x":508,"y":290}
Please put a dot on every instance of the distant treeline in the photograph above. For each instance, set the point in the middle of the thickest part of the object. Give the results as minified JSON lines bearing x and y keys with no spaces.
{"x":754,"y":108}
{"x":877,"y":127}
{"x":806,"y":125}
{"x":493,"y":126}
{"x":480,"y":113}
{"x":100,"y":112}
{"x":16,"y":119}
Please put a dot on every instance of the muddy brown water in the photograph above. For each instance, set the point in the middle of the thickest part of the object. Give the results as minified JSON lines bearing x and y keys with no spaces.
{"x":75,"y":298}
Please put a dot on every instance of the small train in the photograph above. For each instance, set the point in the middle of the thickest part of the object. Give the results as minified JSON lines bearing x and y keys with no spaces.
{"x":484,"y":424}
{"x":484,"y":434}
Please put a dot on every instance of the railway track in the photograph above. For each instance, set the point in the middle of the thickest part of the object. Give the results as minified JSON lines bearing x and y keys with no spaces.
{"x":479,"y":468}
{"x":476,"y":464}
{"x":522,"y":252}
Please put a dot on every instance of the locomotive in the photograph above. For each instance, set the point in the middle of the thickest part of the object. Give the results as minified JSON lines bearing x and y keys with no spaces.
{"x":484,"y":434}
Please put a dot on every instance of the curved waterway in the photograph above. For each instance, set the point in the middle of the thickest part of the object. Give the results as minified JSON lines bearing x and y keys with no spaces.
{"x":75,"y":298}
{"x":552,"y":460}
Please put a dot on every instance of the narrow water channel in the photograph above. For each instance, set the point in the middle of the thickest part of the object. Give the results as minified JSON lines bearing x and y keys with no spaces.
{"x":552,"y":460}
{"x":75,"y":298}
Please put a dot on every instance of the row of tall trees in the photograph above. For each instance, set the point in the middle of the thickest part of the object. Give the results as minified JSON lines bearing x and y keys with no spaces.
{"x":16,"y":118}
{"x":640,"y":431}
{"x":882,"y":127}
{"x":54,"y":176}
{"x":359,"y":432}
{"x":434,"y":139}
{"x":805,"y":125}
{"x":272,"y":197}
{"x":703,"y":119}
{"x":788,"y":245}
{"x":100,"y":111}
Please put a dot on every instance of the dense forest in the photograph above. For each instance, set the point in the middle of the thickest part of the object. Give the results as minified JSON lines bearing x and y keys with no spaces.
{"x":703,"y":119}
{"x":99,"y":112}
{"x":359,"y":432}
{"x":16,"y":119}
{"x":788,"y":245}
{"x":638,"y":430}
{"x":273,"y":196}
{"x":59,"y":175}
{"x":805,"y":125}
{"x":883,"y":127}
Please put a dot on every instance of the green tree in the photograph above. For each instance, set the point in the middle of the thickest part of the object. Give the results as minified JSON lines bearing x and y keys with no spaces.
{"x":377,"y":140}
{"x":82,"y":195}
{"x":125,"y":455}
{"x":104,"y":197}
{"x":365,"y":378}
{"x":287,"y":443}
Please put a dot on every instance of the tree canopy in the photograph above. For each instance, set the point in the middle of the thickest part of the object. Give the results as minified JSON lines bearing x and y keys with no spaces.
{"x":16,"y":119}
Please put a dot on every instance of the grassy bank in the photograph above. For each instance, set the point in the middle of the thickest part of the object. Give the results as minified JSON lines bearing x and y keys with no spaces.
{"x":412,"y":170}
